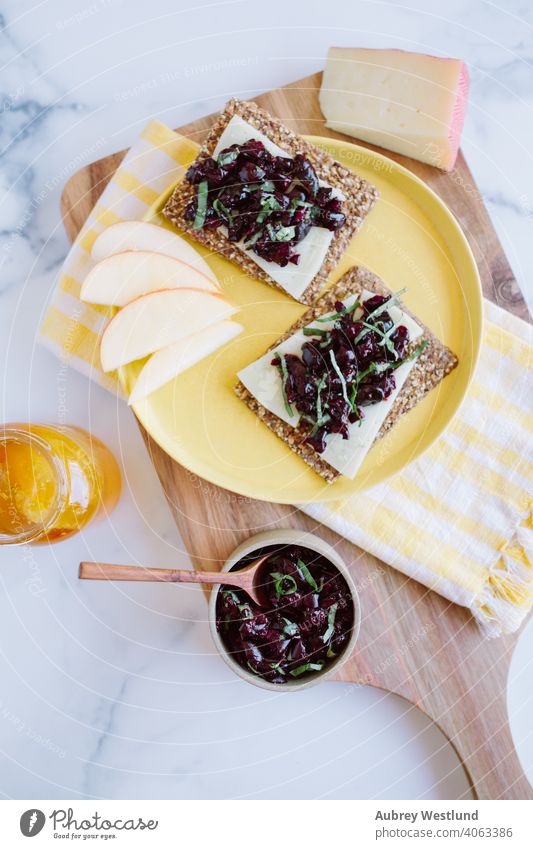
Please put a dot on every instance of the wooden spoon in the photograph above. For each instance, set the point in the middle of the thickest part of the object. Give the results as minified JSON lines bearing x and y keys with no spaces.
{"x":246,"y":579}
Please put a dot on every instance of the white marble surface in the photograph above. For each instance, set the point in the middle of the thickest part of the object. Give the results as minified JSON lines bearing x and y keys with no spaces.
{"x":114,"y":691}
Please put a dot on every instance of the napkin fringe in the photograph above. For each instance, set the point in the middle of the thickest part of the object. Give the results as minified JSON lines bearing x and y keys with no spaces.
{"x":507,"y":595}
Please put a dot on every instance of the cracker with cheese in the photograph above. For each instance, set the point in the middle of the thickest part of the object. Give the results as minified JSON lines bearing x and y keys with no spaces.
{"x":342,"y":376}
{"x":263,"y":197}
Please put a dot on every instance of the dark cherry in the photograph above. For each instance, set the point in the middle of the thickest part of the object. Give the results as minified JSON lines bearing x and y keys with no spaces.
{"x":305,"y":624}
{"x":269,"y":201}
{"x":357,"y":351}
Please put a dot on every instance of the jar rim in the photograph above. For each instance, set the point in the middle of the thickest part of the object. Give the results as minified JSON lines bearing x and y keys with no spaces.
{"x":24,"y":434}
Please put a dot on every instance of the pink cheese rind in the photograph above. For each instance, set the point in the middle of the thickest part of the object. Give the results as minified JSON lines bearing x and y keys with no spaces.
{"x":448,"y":77}
{"x":458,"y":114}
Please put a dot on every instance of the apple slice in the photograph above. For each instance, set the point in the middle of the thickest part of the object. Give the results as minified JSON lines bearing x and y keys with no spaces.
{"x":142,"y":236}
{"x":172,"y":360}
{"x":159,"y":319}
{"x":121,"y":278}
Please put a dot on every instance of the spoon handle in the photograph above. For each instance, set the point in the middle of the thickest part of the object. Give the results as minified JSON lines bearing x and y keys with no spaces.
{"x":115,"y":572}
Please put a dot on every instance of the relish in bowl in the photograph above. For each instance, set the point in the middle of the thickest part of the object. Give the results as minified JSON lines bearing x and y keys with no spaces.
{"x":310,"y":619}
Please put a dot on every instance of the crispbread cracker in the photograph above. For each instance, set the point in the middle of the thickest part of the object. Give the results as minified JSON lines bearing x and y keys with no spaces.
{"x":432,"y":366}
{"x":360,"y":195}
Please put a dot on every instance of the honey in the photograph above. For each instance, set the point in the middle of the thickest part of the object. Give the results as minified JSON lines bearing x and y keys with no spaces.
{"x":53,"y":481}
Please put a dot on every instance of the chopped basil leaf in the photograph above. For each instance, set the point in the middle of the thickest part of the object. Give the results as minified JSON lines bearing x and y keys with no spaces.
{"x":290,"y":628}
{"x":307,"y":667}
{"x":345,"y":311}
{"x":374,"y":367}
{"x":269,"y":205}
{"x":416,"y":353}
{"x":317,"y":425}
{"x":232,"y":595}
{"x":284,"y":378}
{"x":353,"y":396}
{"x":201,"y":205}
{"x":359,"y":416}
{"x":332,"y":612}
{"x":340,"y":375}
{"x":321,"y":384}
{"x":381,"y":367}
{"x":227,"y":157}
{"x":315,"y":331}
{"x":222,"y":210}
{"x":285,"y":234}
{"x":366,"y":329}
{"x":276,"y":667}
{"x":385,"y":337}
{"x":387,"y":341}
{"x":281,"y":234}
{"x":392,"y":301}
{"x":280,"y":580}
{"x":309,"y":578}
{"x":244,"y":607}
{"x":255,"y":238}
{"x":268,"y":186}
{"x":296,"y":202}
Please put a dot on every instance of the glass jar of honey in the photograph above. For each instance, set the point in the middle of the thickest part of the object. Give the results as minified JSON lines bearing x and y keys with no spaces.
{"x":53,"y":481}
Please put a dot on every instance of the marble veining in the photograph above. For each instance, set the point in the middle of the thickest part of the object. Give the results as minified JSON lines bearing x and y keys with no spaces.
{"x":111,"y":691}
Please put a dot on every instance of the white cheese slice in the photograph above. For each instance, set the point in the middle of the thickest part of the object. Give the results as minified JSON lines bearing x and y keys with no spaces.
{"x":294,"y":279}
{"x":239,"y":131}
{"x":408,"y":102}
{"x":262,"y":379}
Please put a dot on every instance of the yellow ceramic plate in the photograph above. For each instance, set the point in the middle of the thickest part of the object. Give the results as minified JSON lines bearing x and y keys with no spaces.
{"x":411,"y":240}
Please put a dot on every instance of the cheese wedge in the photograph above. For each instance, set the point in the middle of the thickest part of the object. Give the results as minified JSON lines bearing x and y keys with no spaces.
{"x":410,"y":103}
{"x":345,"y":455}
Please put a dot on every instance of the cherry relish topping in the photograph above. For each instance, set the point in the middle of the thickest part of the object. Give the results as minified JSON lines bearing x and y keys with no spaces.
{"x":344,"y":369}
{"x":268,"y":202}
{"x":306,"y":623}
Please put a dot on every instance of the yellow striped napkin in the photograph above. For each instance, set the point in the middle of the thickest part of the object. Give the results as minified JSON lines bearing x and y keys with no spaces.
{"x":460,"y":519}
{"x":71,"y":329}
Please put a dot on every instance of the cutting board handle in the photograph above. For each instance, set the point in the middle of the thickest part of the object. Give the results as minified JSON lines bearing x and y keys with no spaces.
{"x":481,"y":738}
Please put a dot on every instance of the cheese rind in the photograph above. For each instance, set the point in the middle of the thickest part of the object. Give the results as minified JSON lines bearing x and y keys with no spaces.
{"x":410,"y":103}
{"x":345,"y":455}
{"x":294,"y":279}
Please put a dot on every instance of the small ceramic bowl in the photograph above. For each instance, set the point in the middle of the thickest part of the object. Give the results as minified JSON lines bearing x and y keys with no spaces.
{"x":289,"y":536}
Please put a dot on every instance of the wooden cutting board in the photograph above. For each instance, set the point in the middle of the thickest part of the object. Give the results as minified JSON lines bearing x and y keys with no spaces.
{"x":413,"y":642}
